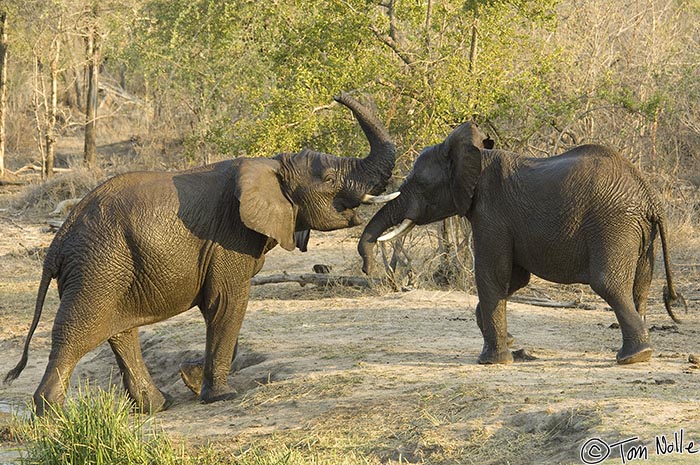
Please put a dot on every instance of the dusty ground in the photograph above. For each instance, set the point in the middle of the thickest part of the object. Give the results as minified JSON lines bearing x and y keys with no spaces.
{"x":350,"y":376}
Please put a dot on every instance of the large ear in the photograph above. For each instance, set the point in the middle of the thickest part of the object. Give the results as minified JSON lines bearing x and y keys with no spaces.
{"x":466,"y":162}
{"x":264,"y":208}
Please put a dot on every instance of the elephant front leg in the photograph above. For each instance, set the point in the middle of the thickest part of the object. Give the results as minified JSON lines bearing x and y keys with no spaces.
{"x":494,"y":330}
{"x":519,"y":278}
{"x":495,"y":281}
{"x":224,"y":317}
{"x":510,"y":338}
{"x":192,"y":372}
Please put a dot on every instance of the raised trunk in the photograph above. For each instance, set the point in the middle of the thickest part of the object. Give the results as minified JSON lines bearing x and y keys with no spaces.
{"x":374,"y":170}
{"x":389,"y":215}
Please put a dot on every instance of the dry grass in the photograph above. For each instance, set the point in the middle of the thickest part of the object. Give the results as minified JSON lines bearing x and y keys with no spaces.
{"x":42,"y":197}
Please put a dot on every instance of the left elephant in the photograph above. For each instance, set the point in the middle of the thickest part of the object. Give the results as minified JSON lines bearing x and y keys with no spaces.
{"x":146,"y":246}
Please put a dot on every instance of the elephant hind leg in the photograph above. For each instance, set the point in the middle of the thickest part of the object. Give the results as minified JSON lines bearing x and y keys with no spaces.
{"x":135,"y":376}
{"x":70,"y":341}
{"x":51,"y":391}
{"x":635,"y":337}
{"x":642,"y":281}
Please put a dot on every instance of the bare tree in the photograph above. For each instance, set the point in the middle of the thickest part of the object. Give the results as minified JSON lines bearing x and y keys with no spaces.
{"x":93,"y":53}
{"x":3,"y":87}
{"x":51,"y":108}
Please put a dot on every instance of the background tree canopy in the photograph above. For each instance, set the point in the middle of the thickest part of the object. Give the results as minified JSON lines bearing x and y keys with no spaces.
{"x":229,"y":78}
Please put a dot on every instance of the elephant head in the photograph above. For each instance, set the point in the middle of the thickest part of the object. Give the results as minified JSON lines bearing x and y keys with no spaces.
{"x":441,"y":184}
{"x":291,"y":193}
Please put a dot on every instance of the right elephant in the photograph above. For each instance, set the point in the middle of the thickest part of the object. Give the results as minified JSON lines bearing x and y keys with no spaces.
{"x":585,"y":216}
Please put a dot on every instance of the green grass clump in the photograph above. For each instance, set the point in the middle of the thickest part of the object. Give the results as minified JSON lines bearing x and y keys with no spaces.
{"x":96,"y":427}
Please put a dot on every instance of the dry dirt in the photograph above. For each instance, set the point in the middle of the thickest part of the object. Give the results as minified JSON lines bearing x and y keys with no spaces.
{"x":391,"y":377}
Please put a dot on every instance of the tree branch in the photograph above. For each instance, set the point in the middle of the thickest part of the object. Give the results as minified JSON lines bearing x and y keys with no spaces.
{"x":319,"y":279}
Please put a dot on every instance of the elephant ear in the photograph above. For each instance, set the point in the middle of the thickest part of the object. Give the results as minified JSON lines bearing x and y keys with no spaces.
{"x":264,"y":208}
{"x":466,"y":163}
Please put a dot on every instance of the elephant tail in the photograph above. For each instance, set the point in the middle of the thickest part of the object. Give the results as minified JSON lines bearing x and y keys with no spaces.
{"x":670,"y":294}
{"x":46,"y":277}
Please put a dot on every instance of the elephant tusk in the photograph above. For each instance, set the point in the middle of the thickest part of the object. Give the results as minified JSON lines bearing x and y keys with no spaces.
{"x":405,"y":226}
{"x":379,"y":198}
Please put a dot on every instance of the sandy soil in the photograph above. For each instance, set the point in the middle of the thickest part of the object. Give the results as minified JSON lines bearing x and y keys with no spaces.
{"x":391,"y":377}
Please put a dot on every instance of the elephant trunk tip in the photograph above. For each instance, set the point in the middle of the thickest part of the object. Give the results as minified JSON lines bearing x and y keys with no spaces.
{"x":365,"y":248}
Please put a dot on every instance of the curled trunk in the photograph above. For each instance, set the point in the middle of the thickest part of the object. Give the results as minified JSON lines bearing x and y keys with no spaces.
{"x":374,"y":171}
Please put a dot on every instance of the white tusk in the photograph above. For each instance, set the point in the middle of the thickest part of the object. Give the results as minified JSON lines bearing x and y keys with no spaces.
{"x":379,"y":198}
{"x":405,"y":226}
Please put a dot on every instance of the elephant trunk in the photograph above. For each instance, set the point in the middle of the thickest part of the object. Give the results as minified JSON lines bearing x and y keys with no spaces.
{"x":379,"y":164}
{"x":389,"y":215}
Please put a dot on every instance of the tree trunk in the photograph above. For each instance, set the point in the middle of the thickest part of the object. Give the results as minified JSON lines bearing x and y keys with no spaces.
{"x":93,"y":48}
{"x":473,"y":47}
{"x":3,"y":88}
{"x":52,"y":107}
{"x":428,"y":19}
{"x":39,"y":106}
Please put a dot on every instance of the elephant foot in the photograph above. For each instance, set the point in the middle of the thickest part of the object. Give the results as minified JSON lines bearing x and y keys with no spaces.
{"x":629,"y":353}
{"x":192,"y":374}
{"x":492,"y":357}
{"x":157,"y":402}
{"x":522,"y":355}
{"x":210,"y":395}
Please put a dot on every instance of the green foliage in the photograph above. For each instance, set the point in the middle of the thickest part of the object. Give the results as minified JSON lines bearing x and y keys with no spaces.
{"x":96,"y":427}
{"x":235,"y":77}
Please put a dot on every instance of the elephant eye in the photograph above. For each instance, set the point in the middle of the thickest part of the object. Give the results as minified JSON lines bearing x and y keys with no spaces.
{"x":329,"y":177}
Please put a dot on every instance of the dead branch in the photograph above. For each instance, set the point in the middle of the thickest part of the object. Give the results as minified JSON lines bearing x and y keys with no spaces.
{"x":11,"y":182}
{"x":319,"y":279}
{"x":38,"y":168}
{"x":549,"y":303}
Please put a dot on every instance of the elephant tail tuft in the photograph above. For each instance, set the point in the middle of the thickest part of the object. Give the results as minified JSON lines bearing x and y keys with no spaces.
{"x":670,"y":294}
{"x":670,"y":299}
{"x":46,"y":277}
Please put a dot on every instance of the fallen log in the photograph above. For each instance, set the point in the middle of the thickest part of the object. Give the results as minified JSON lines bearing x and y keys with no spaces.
{"x":550,"y":303}
{"x":32,"y":167}
{"x":319,"y":279}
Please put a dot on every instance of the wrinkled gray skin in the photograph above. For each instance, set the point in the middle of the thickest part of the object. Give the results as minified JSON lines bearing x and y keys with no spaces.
{"x":146,"y":246}
{"x":586,"y":216}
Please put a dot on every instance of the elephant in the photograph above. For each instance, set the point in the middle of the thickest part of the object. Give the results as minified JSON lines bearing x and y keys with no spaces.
{"x":145,"y":246}
{"x":585,"y":216}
